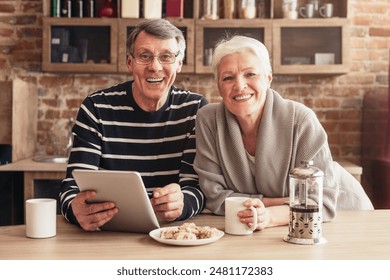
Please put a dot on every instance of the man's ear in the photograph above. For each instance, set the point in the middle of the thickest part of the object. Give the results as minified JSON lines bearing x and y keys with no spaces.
{"x":179,"y":66}
{"x":129,"y":63}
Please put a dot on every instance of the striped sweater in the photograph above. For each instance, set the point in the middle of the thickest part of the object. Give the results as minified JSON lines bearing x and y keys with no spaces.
{"x":111,"y":132}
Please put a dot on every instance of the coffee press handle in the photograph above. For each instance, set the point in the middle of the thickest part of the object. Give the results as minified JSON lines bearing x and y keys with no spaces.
{"x":254,"y":214}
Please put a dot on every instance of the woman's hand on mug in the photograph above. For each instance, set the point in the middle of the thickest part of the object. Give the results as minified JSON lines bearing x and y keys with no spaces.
{"x":263,"y":216}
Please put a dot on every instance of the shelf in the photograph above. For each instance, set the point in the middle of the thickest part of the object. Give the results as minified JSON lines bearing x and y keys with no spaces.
{"x":272,"y":9}
{"x":303,"y":46}
{"x":340,"y":8}
{"x":80,"y":45}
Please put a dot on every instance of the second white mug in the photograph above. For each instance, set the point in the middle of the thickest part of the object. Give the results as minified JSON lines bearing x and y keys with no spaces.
{"x":307,"y":11}
{"x":326,"y":11}
{"x":232,"y":222}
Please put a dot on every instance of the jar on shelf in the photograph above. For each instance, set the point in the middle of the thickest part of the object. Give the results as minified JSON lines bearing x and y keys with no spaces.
{"x":66,"y":10}
{"x":89,"y":8}
{"x":247,"y":9}
{"x":290,"y":9}
{"x":210,"y":9}
{"x":109,"y":9}
{"x":229,"y":9}
{"x":261,"y":9}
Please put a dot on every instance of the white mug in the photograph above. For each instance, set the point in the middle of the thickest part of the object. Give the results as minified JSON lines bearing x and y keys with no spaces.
{"x":307,"y":11}
{"x":41,"y":217}
{"x":326,"y":11}
{"x":289,"y":5}
{"x":290,"y":14}
{"x":232,"y":222}
{"x":289,"y":9}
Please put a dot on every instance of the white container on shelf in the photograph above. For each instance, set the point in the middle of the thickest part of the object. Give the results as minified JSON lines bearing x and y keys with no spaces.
{"x":152,"y":8}
{"x":130,"y":9}
{"x":210,"y":9}
{"x":247,"y":9}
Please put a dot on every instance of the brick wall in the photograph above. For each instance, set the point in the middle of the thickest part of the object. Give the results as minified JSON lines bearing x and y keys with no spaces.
{"x":337,"y":100}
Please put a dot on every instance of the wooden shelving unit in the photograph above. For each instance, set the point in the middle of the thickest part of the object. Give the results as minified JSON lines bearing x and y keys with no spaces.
{"x":301,"y":46}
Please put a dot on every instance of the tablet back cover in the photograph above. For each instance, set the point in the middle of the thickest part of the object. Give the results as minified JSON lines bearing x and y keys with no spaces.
{"x":127,"y":191}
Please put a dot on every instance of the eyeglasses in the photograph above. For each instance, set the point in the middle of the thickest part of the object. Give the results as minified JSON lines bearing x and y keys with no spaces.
{"x":163,"y":58}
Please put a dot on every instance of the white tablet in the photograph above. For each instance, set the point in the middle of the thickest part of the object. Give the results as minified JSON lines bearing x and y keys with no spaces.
{"x":127,"y":191}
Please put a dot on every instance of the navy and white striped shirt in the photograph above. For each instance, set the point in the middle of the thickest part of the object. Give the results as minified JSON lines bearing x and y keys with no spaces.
{"x":111,"y":132}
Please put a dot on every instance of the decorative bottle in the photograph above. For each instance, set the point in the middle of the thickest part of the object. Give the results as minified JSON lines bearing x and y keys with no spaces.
{"x":109,"y":9}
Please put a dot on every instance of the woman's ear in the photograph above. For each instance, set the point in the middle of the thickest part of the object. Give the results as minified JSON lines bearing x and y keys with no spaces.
{"x":269,"y":79}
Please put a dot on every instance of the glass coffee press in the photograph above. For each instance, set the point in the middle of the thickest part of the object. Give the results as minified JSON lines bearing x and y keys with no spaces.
{"x":306,"y":187}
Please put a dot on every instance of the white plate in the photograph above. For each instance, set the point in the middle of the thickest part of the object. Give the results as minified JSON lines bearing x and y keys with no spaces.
{"x":155,"y":234}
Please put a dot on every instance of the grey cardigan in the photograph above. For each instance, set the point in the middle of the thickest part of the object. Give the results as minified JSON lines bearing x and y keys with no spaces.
{"x":289,"y":132}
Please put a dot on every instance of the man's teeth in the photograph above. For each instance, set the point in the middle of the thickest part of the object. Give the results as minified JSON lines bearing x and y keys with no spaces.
{"x":154,"y":80}
{"x":242,"y":97}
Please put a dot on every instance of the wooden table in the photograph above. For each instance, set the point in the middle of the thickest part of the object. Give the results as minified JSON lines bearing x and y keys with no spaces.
{"x":354,"y":235}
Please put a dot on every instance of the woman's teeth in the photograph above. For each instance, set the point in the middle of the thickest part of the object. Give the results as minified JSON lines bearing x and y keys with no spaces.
{"x":242,"y":97}
{"x":154,"y":80}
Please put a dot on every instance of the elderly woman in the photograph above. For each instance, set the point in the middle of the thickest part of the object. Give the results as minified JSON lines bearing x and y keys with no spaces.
{"x":247,"y":144}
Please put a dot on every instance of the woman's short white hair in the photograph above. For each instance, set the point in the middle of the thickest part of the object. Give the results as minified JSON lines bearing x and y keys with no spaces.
{"x":239,"y":44}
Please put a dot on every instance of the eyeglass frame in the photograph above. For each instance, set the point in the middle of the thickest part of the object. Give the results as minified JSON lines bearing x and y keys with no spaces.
{"x":158,"y":58}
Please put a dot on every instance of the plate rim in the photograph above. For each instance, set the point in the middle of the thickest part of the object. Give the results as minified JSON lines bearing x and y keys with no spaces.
{"x":196,"y":242}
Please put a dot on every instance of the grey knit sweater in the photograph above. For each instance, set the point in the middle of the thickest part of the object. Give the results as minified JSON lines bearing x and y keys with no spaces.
{"x":288,"y":133}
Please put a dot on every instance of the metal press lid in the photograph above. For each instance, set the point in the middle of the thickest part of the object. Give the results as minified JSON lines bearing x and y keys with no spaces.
{"x":306,"y":171}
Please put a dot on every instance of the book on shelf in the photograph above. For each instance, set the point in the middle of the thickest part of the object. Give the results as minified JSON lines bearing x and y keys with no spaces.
{"x":174,"y":8}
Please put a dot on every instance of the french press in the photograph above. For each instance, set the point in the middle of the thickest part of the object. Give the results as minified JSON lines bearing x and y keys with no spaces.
{"x":306,"y":187}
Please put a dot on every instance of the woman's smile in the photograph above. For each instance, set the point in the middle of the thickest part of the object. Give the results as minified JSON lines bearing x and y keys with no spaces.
{"x":242,"y":97}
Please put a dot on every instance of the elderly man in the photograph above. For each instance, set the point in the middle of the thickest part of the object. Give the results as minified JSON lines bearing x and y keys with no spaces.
{"x":145,"y":125}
